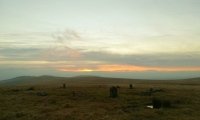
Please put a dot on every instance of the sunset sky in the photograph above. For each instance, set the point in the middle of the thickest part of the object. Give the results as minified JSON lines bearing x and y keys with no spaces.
{"x":155,"y":39}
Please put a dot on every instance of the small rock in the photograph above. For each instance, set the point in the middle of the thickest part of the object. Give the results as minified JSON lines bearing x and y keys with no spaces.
{"x":42,"y":94}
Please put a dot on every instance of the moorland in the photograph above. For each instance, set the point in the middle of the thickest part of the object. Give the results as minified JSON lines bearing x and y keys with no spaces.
{"x":88,"y":98}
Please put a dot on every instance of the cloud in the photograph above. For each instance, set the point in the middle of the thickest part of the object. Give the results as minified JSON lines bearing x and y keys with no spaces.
{"x":20,"y":53}
{"x":80,"y":54}
{"x":151,"y":60}
{"x":142,"y":62}
{"x":21,"y":40}
{"x":68,"y":35}
{"x":63,"y":45}
{"x":60,"y":53}
{"x":184,"y":59}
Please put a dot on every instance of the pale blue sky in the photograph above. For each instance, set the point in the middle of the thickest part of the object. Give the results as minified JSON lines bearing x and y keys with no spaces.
{"x":72,"y":35}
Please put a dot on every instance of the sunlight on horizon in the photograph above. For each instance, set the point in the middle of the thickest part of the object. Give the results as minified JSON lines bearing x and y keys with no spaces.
{"x":128,"y":68}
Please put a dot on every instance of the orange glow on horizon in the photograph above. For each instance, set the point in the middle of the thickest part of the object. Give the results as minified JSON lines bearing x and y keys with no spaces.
{"x":124,"y":68}
{"x":129,"y":68}
{"x":86,"y":70}
{"x":78,"y":70}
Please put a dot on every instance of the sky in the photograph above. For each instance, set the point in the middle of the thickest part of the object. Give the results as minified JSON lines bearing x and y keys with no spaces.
{"x":142,"y":39}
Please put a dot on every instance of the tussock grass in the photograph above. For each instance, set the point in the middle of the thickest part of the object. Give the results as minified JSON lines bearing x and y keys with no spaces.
{"x":93,"y":102}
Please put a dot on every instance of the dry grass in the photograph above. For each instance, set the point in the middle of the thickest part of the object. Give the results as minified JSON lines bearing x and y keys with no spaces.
{"x":92,"y":102}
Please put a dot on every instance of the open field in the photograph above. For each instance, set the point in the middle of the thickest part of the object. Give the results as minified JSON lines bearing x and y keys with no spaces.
{"x":92,"y":101}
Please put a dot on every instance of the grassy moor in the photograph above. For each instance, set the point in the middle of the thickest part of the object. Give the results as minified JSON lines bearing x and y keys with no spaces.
{"x":88,"y":98}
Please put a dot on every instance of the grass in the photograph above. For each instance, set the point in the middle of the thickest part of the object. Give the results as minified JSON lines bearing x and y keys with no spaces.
{"x":92,"y":102}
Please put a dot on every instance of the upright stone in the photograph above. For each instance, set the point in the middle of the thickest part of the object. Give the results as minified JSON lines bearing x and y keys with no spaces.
{"x":64,"y":86}
{"x":73,"y":94}
{"x":157,"y":103}
{"x":113,"y":92}
{"x":131,"y":87}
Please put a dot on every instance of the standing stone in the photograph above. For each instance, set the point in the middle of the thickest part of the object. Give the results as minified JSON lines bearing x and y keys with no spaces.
{"x":64,"y":86}
{"x":131,"y":87}
{"x":113,"y":92}
{"x":73,"y":94}
{"x":157,"y":103}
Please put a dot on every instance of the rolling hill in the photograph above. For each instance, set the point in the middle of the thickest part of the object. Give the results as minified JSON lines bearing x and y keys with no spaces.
{"x":87,"y":80}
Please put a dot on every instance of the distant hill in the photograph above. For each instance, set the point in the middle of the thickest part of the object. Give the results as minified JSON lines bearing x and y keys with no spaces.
{"x":198,"y":78}
{"x":86,"y":76}
{"x":28,"y":80}
{"x":21,"y":77}
{"x":15,"y":80}
{"x":53,"y":80}
{"x":87,"y":80}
